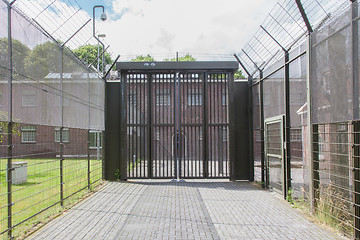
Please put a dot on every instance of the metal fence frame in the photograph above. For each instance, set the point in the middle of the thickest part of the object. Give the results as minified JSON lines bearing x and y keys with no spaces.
{"x":9,"y":230}
{"x":279,"y":62}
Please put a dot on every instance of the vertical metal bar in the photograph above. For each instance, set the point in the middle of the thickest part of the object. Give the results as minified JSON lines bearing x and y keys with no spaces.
{"x":355,"y":59}
{"x":310,"y":126}
{"x":162,"y":129}
{"x":251,"y":132}
{"x":187,"y":120}
{"x":88,"y":132}
{"x":158,"y":92}
{"x":262,"y":131}
{"x":62,"y":127}
{"x":149,"y":125}
{"x":124,"y":136}
{"x":211,"y":121}
{"x":137,"y":110}
{"x":177,"y":128}
{"x":88,"y":157}
{"x":356,"y":172}
{"x":10,"y":128}
{"x":205,"y":127}
{"x":315,"y":170}
{"x":287,"y":127}
{"x":232,"y":147}
{"x":220,"y":121}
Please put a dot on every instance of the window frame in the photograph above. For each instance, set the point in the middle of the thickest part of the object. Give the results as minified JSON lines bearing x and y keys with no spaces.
{"x":26,"y":131}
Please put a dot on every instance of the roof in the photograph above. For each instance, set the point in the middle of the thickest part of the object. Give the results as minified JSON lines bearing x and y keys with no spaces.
{"x":72,"y":75}
{"x":197,"y":65}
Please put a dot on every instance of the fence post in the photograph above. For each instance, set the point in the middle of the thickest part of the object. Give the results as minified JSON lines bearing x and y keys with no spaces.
{"x":309,"y":143}
{"x":61,"y":128}
{"x":10,"y":127}
{"x":356,"y":178}
{"x":356,"y":124}
{"x":251,"y":129}
{"x":88,"y":131}
{"x":88,"y":158}
{"x":205,"y":133}
{"x":287,"y":125}
{"x":264,"y":182}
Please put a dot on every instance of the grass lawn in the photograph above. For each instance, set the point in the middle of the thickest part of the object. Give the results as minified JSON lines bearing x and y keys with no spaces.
{"x":42,"y":189}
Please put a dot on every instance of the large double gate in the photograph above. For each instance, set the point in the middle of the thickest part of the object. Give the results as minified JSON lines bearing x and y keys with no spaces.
{"x":177,"y":123}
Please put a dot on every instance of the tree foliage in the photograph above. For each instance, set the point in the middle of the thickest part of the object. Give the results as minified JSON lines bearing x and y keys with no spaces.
{"x":186,"y":58}
{"x":19,"y":52}
{"x":45,"y":58}
{"x":239,"y":74}
{"x":142,"y":58}
{"x":88,"y":53}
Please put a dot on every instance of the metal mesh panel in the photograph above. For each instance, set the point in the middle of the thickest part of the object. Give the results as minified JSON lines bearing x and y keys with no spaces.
{"x":298,"y":103}
{"x":4,"y":107}
{"x":76,"y":86}
{"x":256,"y":132}
{"x":274,"y":155}
{"x":331,"y":72}
{"x":50,"y":143}
{"x":333,"y":174}
{"x":34,"y":93}
{"x":274,"y":95}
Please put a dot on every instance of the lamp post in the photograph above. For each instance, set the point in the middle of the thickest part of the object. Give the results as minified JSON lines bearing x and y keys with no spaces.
{"x":98,"y":52}
{"x":103,"y":17}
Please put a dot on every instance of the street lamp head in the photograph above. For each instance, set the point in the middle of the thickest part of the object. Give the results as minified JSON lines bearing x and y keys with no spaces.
{"x":103,"y":16}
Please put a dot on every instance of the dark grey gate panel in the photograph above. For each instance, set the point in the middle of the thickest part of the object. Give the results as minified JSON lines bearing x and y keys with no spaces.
{"x":162,"y":127}
{"x":191,"y":124}
{"x":218,"y":124}
{"x":174,"y":111}
{"x":137,"y":129}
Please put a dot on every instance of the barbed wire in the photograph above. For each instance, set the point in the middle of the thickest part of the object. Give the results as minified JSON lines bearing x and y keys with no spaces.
{"x":285,"y":24}
{"x":61,"y":19}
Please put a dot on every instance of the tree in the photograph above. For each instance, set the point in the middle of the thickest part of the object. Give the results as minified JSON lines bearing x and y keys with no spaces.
{"x":186,"y":58}
{"x":239,"y":74}
{"x":142,"y":58}
{"x":88,"y":53}
{"x":45,"y":59}
{"x":19,"y":52}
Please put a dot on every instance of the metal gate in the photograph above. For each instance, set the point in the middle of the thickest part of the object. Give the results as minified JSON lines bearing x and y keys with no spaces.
{"x":274,"y":153}
{"x":177,"y":124}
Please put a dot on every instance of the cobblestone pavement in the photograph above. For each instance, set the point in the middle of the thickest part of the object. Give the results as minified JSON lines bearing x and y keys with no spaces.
{"x":195,"y":209}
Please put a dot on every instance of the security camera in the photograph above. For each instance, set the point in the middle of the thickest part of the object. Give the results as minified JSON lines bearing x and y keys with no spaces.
{"x":103,"y":17}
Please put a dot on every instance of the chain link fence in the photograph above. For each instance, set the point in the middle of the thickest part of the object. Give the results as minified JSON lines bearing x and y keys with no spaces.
{"x":52,"y":123}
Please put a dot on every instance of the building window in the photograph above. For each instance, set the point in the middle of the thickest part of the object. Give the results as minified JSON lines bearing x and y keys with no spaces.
{"x":28,"y":98}
{"x":95,"y":139}
{"x":295,"y":135}
{"x":224,"y":134}
{"x":163,"y":97}
{"x":195,"y":97}
{"x":28,"y":134}
{"x":224,"y":97}
{"x":65,"y":135}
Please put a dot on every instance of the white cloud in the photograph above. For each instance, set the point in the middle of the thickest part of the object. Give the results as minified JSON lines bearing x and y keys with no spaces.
{"x":195,"y":26}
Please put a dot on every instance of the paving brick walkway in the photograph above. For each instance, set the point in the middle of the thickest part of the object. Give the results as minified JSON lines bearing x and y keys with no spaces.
{"x":195,"y":209}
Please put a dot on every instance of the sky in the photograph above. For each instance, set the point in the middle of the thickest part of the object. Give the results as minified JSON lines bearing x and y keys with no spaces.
{"x":164,"y":27}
